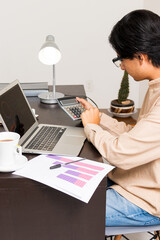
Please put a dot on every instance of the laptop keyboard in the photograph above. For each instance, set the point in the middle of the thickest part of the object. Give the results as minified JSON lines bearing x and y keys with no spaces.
{"x":46,"y":138}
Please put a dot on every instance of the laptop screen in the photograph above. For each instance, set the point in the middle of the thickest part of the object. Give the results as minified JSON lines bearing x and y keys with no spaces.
{"x":15,"y":111}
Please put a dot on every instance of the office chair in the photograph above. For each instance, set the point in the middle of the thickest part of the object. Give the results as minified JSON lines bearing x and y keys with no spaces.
{"x":119,"y":232}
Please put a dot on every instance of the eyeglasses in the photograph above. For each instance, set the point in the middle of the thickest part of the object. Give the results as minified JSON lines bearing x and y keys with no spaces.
{"x":117,"y":61}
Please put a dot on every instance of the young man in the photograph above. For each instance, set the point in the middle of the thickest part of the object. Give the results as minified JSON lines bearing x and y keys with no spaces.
{"x":133,"y":197}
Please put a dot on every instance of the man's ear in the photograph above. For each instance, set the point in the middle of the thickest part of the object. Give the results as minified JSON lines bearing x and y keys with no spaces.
{"x":142,"y":58}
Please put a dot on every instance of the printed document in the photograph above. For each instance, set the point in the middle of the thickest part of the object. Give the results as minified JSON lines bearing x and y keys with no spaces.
{"x":77,"y":179}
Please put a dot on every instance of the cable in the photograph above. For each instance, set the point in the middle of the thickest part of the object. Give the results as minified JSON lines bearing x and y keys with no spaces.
{"x":93,"y":102}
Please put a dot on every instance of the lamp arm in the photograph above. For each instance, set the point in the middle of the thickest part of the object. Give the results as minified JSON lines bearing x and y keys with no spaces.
{"x":54,"y":83}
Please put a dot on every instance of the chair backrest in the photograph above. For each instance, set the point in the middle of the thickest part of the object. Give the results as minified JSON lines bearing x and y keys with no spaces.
{"x":129,"y":229}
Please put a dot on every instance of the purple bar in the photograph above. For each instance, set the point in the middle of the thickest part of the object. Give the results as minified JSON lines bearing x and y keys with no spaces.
{"x":73,"y":180}
{"x":73,"y":173}
{"x":81,"y":175}
{"x":71,"y":166}
{"x":54,"y":157}
{"x":67,"y":178}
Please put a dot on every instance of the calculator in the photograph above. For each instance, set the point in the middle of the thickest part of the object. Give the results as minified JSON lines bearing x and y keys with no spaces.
{"x":71,"y":106}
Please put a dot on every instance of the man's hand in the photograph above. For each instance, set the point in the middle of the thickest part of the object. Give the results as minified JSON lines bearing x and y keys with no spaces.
{"x":84,"y":103}
{"x":90,"y":116}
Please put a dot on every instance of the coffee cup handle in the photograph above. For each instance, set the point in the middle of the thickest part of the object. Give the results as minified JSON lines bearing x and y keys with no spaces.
{"x":18,"y":149}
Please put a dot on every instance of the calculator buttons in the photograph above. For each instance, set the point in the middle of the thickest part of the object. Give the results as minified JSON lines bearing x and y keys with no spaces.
{"x":75,"y":111}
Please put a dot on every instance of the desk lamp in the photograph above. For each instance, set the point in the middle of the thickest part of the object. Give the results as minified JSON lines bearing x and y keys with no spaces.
{"x":50,"y":54}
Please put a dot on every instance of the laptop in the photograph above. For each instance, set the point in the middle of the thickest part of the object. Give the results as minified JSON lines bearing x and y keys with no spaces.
{"x":17,"y":116}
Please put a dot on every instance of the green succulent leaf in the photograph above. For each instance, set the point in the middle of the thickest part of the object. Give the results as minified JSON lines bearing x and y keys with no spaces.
{"x":124,"y":88}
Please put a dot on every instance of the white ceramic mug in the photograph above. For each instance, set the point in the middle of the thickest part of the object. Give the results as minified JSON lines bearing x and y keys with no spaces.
{"x":9,"y":148}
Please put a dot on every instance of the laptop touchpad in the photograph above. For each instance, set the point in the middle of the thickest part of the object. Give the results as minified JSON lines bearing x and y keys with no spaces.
{"x":73,"y":132}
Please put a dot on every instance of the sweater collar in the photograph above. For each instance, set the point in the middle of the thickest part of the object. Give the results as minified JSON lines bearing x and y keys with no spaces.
{"x":153,"y":82}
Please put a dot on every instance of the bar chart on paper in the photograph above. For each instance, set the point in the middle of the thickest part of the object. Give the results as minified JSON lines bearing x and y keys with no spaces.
{"x":77,"y":171}
{"x":77,"y":179}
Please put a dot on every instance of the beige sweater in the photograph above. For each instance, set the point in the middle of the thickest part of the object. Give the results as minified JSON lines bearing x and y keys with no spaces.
{"x":134,"y":151}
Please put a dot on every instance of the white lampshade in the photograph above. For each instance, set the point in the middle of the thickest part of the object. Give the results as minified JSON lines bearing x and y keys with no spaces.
{"x":49,"y":53}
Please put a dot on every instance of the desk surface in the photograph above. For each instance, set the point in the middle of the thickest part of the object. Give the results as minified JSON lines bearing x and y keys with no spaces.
{"x":32,"y":211}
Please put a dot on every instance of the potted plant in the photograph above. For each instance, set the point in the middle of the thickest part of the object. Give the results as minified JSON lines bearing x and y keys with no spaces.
{"x":123,"y":104}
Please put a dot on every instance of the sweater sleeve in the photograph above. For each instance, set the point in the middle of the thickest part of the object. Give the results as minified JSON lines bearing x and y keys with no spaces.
{"x":113,"y":126}
{"x":138,"y":146}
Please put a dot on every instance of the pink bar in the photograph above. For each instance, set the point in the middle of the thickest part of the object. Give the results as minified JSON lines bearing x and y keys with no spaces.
{"x":80,"y":183}
{"x":87,"y":177}
{"x":89,"y":166}
{"x":65,"y":159}
{"x":87,"y":171}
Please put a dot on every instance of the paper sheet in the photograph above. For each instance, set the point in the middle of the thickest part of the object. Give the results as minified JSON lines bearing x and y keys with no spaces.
{"x":79,"y":179}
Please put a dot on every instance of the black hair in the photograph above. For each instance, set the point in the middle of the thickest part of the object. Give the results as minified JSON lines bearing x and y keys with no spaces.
{"x":137,"y":32}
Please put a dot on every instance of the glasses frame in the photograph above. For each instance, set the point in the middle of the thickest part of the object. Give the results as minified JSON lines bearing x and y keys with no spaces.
{"x":117,"y":61}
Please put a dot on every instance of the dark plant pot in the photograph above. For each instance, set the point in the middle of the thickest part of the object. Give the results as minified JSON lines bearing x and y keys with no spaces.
{"x":125,"y":107}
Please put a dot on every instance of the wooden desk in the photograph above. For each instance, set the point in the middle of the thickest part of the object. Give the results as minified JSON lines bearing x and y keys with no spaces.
{"x":32,"y":211}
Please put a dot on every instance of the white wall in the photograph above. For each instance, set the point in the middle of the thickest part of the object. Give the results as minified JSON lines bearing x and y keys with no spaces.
{"x":81,"y":29}
{"x":153,"y":5}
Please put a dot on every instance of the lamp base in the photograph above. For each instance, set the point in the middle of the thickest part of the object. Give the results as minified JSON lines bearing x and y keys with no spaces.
{"x":48,"y":98}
